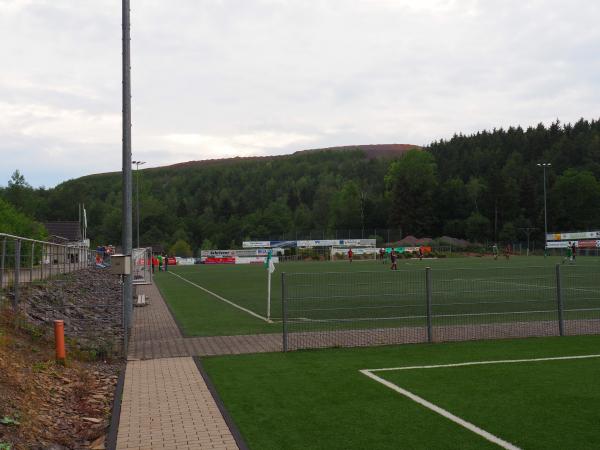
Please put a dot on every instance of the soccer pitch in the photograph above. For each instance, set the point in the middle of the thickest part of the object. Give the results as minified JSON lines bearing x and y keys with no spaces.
{"x":536,"y":393}
{"x":232,"y":299}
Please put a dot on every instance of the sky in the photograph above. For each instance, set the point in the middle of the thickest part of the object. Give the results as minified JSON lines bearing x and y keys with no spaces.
{"x":223,"y":78}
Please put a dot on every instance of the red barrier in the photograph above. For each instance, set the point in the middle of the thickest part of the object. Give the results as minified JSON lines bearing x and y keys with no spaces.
{"x":214,"y":260}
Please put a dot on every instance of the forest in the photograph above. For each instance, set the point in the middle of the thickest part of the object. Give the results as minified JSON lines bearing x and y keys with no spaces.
{"x":483,"y":187}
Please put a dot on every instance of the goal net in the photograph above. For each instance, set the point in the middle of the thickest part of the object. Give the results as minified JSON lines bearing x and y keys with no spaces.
{"x":360,"y":253}
{"x":141,"y":261}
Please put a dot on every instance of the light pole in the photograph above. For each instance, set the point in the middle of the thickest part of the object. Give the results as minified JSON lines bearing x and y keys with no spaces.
{"x":544,"y":165}
{"x":137,"y":196}
{"x":528,"y":231}
{"x":126,"y":219}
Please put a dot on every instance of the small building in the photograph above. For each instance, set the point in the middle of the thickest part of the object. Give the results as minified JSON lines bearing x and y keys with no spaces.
{"x":68,"y":234}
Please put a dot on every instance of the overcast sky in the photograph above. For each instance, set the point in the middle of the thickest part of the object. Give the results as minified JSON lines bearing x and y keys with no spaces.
{"x":221,"y":78}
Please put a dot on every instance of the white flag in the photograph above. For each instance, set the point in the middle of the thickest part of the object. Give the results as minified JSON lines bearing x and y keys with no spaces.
{"x":271,"y":266}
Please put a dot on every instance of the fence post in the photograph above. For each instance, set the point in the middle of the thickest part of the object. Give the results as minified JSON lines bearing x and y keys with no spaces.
{"x":17,"y":276}
{"x":42,"y":256}
{"x":32,"y":261}
{"x":559,"y":301}
{"x":2,"y":256}
{"x":284,"y":313}
{"x":429,"y":303}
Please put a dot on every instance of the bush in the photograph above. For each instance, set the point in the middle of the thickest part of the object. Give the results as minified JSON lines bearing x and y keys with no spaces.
{"x":181,"y":248}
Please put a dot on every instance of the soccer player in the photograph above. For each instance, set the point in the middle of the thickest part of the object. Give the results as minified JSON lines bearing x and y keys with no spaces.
{"x":394,"y":257}
{"x":350,"y":254}
{"x":573,"y":251}
{"x":569,"y":256}
{"x":495,"y":252}
{"x":420,"y":253}
{"x":507,"y":251}
{"x":382,"y":254}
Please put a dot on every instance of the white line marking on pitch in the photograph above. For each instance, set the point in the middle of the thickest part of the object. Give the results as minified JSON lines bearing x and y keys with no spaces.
{"x":235,"y":305}
{"x":541,"y":287}
{"x":447,"y":414}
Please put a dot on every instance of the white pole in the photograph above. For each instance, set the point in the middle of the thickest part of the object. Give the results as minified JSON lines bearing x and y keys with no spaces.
{"x":269,"y":293}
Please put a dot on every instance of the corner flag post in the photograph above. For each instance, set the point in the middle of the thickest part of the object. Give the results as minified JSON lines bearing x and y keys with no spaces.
{"x":270,"y":266}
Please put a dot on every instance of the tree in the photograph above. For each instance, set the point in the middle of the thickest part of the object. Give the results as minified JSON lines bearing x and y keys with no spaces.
{"x":345,"y":207}
{"x":21,"y":194}
{"x":477,"y":227}
{"x":18,"y":224}
{"x":18,"y":180}
{"x":412,"y":183}
{"x":181,"y":248}
{"x":508,"y":233}
{"x":575,"y":201}
{"x":207,"y":245}
{"x":453,"y":206}
{"x":475,"y":187}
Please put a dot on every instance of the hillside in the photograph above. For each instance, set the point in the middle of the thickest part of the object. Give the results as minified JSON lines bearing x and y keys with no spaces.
{"x":232,"y":199}
{"x":388,"y":151}
{"x":483,"y":187}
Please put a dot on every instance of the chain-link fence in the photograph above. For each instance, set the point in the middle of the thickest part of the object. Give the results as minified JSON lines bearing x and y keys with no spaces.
{"x":44,"y":281}
{"x":374,"y":308}
{"x":24,"y":260}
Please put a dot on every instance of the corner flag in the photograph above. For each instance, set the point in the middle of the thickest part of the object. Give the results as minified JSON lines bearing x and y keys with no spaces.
{"x":269,"y":264}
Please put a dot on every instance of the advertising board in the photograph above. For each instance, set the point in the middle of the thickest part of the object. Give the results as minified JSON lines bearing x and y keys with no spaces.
{"x":574,"y":236}
{"x":256,"y":244}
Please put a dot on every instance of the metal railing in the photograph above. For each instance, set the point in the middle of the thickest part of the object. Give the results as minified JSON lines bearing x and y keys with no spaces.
{"x":393,"y":307}
{"x":45,"y":281}
{"x":24,"y":260}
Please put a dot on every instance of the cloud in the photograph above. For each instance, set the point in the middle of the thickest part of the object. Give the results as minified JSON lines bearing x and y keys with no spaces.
{"x":242,"y":145}
{"x":220,"y":78}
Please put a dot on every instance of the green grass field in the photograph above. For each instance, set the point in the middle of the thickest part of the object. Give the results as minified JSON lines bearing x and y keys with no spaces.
{"x":321,"y":400}
{"x":465,"y":290}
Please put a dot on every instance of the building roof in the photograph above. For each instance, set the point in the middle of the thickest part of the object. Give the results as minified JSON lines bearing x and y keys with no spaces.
{"x":157,"y":248}
{"x":64,"y":231}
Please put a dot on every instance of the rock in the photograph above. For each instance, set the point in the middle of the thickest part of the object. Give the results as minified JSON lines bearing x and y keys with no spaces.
{"x":92,"y":419}
{"x":98,"y":444}
{"x":89,"y":301}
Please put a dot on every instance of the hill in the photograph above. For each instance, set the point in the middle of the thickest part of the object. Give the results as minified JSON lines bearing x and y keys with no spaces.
{"x":371,"y":152}
{"x":483,"y":187}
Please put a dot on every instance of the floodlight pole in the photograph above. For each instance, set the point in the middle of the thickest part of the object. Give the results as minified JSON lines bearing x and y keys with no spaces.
{"x":527,"y":231}
{"x":127,"y":216}
{"x":544,"y":165}
{"x":137,"y":197}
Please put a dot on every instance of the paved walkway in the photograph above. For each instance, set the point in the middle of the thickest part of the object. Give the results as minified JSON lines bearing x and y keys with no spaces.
{"x":166,"y":404}
{"x":155,"y":335}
